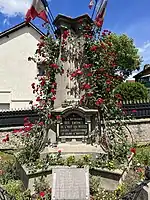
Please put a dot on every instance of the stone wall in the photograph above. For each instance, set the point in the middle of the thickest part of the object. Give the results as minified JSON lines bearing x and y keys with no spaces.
{"x":140,"y":130}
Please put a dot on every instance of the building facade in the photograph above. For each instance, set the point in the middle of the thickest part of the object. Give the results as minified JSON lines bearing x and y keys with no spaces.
{"x":16,"y":72}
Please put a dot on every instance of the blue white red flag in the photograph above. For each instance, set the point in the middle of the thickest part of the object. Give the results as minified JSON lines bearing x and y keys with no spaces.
{"x":91,"y":4}
{"x":37,"y":9}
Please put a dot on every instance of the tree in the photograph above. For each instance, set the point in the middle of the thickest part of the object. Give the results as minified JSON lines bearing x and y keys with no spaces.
{"x":127,"y":56}
{"x":132,"y":91}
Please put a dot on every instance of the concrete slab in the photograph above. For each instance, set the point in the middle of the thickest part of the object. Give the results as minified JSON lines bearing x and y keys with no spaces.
{"x":74,"y":148}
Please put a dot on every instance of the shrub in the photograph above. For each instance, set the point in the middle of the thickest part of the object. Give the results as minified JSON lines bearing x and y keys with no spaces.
{"x":132,"y":91}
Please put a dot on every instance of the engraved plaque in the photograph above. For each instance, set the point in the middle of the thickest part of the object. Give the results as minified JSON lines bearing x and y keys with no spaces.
{"x":70,"y":184}
{"x":73,"y":125}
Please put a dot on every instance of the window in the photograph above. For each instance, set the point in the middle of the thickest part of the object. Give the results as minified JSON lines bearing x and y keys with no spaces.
{"x":41,"y":70}
{"x":4,"y":106}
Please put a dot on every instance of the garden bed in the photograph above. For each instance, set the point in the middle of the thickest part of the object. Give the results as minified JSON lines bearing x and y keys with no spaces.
{"x":110,"y":179}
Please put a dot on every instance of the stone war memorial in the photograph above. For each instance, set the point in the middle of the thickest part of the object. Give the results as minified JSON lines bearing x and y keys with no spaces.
{"x":79,"y":145}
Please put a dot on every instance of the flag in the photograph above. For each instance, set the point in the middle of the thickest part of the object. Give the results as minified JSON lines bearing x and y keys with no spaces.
{"x":101,"y":12}
{"x":38,"y":9}
{"x":91,"y":4}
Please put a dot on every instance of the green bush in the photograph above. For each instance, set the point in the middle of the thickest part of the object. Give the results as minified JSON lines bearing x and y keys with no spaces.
{"x":132,"y":91}
{"x":15,"y":189}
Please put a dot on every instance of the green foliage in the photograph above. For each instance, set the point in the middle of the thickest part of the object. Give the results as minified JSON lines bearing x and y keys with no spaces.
{"x":15,"y":188}
{"x":142,"y":156}
{"x":7,"y":168}
{"x":132,"y":91}
{"x":127,"y":56}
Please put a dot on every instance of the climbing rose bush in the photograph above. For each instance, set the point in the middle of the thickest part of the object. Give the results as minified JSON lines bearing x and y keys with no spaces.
{"x":35,"y":135}
{"x":95,"y":77}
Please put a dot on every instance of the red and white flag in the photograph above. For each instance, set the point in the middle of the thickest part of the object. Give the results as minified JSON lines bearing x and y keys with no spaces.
{"x":37,"y":9}
{"x":91,"y":4}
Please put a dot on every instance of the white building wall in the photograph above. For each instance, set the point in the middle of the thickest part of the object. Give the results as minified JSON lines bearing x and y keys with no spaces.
{"x":16,"y":72}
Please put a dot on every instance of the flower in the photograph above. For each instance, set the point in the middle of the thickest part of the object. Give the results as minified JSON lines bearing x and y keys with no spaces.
{"x":86,"y":66}
{"x":65,"y":34}
{"x":26,"y":119}
{"x":38,"y":99}
{"x":58,"y":117}
{"x":63,"y":59}
{"x":53,"y":91}
{"x":33,"y":85}
{"x":79,"y":72}
{"x":133,"y":150}
{"x":59,"y":151}
{"x":134,"y":111}
{"x":89,"y":74}
{"x":42,"y":194}
{"x":54,"y":84}
{"x":53,"y":98}
{"x":98,"y":23}
{"x":86,"y":86}
{"x":118,"y":96}
{"x":107,"y":89}
{"x":99,"y":101}
{"x":94,"y":48}
{"x":41,"y":123}
{"x":49,"y":116}
{"x":108,"y":82}
{"x":89,"y":94}
{"x":55,"y":66}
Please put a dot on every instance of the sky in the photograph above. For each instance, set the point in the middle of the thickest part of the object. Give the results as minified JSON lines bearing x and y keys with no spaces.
{"x":131,"y":17}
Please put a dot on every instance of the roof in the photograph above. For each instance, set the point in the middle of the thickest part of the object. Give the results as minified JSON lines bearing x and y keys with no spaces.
{"x":146,"y":68}
{"x":71,"y":20}
{"x":19,"y":26}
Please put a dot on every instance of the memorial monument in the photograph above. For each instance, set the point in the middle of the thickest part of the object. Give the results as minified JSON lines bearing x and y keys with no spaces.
{"x":76,"y":123}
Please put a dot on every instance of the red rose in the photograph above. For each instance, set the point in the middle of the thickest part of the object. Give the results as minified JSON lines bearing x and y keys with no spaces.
{"x":107,"y":89}
{"x":118,"y":96}
{"x":63,"y":59}
{"x":54,"y":84}
{"x":134,"y":111}
{"x":79,"y":72}
{"x":86,"y":66}
{"x":94,"y":48}
{"x":55,"y":66}
{"x":58,"y":117}
{"x":33,"y":85}
{"x":41,"y":123}
{"x":59,"y":151}
{"x":49,"y":116}
{"x":42,"y":194}
{"x":89,"y":74}
{"x":89,"y":94}
{"x":53,"y":91}
{"x":99,"y":101}
{"x":108,"y":82}
{"x":38,"y":99}
{"x":86,"y":86}
{"x":53,"y":98}
{"x":98,"y":23}
{"x":133,"y":150}
{"x":65,"y":34}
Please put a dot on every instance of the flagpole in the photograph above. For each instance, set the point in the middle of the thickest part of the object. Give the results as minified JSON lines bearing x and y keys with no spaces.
{"x":94,"y":9}
{"x":50,"y":21}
